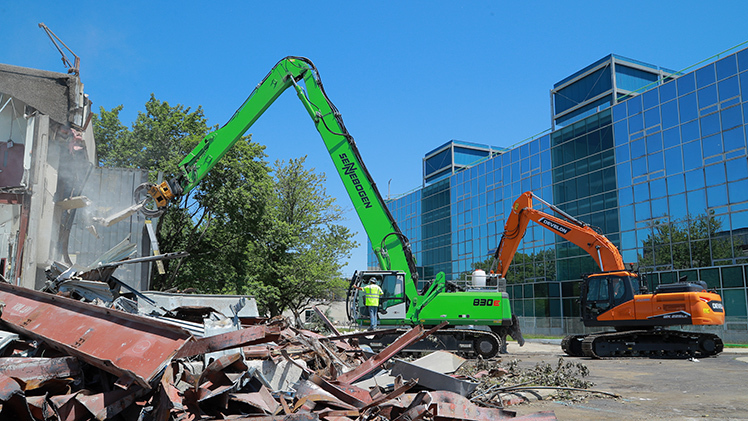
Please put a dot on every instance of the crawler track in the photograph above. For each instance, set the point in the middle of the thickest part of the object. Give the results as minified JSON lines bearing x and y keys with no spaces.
{"x":655,"y":343}
{"x":465,"y":342}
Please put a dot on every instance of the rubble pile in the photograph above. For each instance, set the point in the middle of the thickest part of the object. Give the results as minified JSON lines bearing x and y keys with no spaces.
{"x":67,"y":359}
{"x":88,"y":346}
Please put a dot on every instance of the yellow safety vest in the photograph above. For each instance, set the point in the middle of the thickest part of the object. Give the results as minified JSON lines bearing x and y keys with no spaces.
{"x":371,"y":295}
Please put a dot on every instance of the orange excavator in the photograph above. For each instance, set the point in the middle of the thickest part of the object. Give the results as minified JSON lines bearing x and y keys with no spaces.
{"x":616,"y":297}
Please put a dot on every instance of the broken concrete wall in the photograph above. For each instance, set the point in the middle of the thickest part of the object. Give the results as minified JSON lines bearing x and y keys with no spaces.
{"x":110,"y":190}
{"x":49,"y":155}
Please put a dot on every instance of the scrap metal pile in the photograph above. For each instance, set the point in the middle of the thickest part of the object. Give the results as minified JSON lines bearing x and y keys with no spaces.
{"x":65,"y":359}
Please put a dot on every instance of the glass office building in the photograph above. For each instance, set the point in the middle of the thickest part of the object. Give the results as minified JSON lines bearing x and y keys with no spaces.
{"x":654,"y":158}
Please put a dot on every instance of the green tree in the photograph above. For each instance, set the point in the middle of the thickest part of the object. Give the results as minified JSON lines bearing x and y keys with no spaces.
{"x":249,"y":228}
{"x":302,"y":247}
{"x":215,"y":221}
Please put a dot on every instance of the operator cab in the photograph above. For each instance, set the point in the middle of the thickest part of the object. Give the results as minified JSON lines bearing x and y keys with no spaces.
{"x":603,"y":291}
{"x":392,"y":303}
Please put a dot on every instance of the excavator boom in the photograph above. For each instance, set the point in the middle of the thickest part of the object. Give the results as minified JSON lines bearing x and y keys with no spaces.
{"x":604,"y":252}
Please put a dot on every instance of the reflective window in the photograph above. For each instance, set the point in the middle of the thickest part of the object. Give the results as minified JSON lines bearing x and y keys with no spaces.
{"x":624,"y":174}
{"x":736,"y":169}
{"x":689,"y":131}
{"x":671,"y":137}
{"x":641,"y":192}
{"x":654,"y":142}
{"x":677,"y":208}
{"x":731,"y":117}
{"x":705,"y":76}
{"x":717,"y":196}
{"x":692,"y":155}
{"x":687,"y":107}
{"x":625,"y":196}
{"x":634,"y":105}
{"x":709,"y":124}
{"x":695,"y":179}
{"x":669,"y":114}
{"x":627,"y":217}
{"x":642,"y":211}
{"x":738,"y":219}
{"x":628,"y":239}
{"x":650,"y":98}
{"x":673,"y":160}
{"x":726,"y":67}
{"x":622,"y":153}
{"x":652,"y":117}
{"x":686,"y":84}
{"x":675,"y":184}
{"x":738,"y":193}
{"x":659,"y":207}
{"x":744,"y":85}
{"x":707,"y":96}
{"x":742,"y":60}
{"x":636,"y":123}
{"x":639,"y":167}
{"x":655,"y":162}
{"x":638,"y":148}
{"x":712,"y":145}
{"x":667,"y":91}
{"x":715,"y":174}
{"x":728,"y":88}
{"x":696,"y":202}
{"x":621,"y":133}
{"x":619,"y":111}
{"x":657,"y":188}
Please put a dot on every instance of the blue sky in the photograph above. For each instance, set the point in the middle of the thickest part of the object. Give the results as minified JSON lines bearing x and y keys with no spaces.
{"x":407,"y":76}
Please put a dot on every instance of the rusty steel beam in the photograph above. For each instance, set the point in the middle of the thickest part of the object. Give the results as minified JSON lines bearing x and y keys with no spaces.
{"x":448,"y":406}
{"x":359,"y":334}
{"x":412,"y":336}
{"x":133,"y":347}
{"x":243,"y":337}
{"x":39,"y":369}
{"x":326,"y":321}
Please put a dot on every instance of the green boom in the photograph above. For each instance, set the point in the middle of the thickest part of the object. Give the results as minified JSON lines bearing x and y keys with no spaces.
{"x":390,"y":245}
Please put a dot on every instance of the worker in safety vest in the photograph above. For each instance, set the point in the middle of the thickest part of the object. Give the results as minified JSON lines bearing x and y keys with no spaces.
{"x":372,"y":292}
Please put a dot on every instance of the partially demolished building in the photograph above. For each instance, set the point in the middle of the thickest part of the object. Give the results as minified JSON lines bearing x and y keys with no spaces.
{"x":51,"y":191}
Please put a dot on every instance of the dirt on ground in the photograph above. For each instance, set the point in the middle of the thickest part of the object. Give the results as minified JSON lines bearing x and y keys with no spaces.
{"x":713,"y":388}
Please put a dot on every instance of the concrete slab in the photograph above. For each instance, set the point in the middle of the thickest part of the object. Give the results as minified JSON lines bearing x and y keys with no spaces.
{"x":279,"y":376}
{"x":440,"y":361}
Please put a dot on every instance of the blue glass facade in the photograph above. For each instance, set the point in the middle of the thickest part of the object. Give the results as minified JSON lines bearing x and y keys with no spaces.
{"x":663,"y":173}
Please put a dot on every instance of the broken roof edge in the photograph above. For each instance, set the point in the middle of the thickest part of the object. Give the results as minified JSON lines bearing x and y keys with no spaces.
{"x":44,"y":90}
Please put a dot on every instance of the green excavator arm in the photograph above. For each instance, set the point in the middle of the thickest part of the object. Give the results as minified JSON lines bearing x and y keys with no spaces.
{"x":390,"y":246}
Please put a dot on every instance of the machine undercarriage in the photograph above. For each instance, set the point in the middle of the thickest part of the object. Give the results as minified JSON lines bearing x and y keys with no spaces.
{"x":655,"y":343}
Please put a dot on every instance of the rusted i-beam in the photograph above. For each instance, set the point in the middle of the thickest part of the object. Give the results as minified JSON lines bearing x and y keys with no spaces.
{"x":412,"y":336}
{"x":136,"y":348}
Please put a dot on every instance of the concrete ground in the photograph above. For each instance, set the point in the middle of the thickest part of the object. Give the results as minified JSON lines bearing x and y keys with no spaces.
{"x":651,"y":389}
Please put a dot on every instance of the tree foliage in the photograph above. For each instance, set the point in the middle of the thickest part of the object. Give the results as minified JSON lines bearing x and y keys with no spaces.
{"x":303,"y":244}
{"x":249,"y":227}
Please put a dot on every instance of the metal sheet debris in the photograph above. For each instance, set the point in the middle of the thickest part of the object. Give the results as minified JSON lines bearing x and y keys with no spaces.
{"x":122,"y":344}
{"x":412,"y":336}
{"x":432,"y":379}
